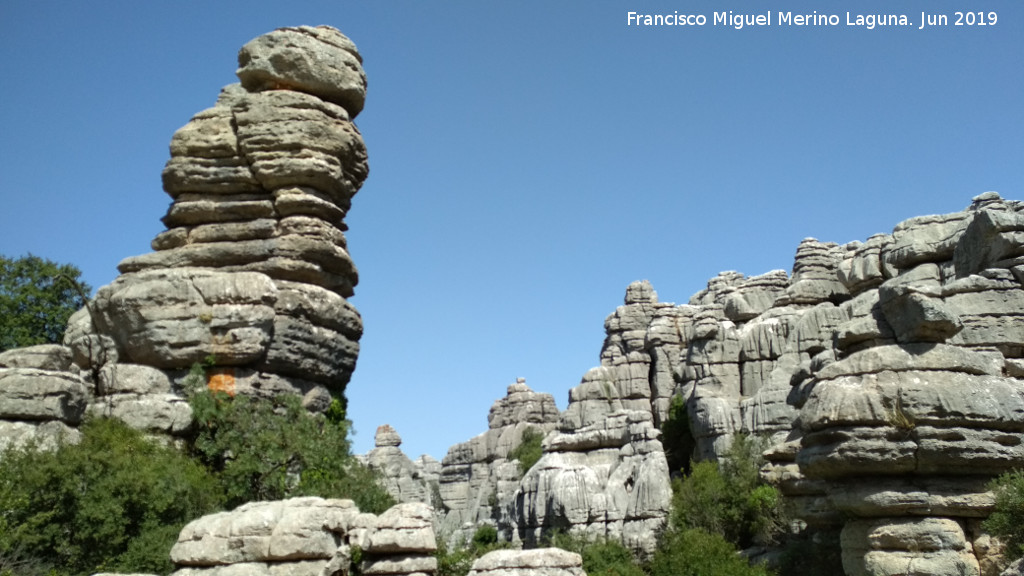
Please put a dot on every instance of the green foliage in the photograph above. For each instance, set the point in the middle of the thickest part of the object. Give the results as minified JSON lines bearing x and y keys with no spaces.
{"x":695,"y":552}
{"x":677,"y":438}
{"x":1007,"y":519}
{"x":484,"y":536}
{"x":114,"y":502}
{"x":601,"y":557}
{"x":454,"y":562}
{"x":729,"y":498}
{"x":458,"y":560}
{"x":274,"y":449}
{"x":529,"y":451}
{"x":37,"y":297}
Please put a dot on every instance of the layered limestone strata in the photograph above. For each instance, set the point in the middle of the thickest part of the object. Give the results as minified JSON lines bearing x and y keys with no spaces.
{"x":603,"y":472}
{"x":478,"y":477}
{"x":251,"y":276}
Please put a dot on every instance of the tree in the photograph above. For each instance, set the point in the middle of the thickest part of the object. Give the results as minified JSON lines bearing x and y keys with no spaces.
{"x":113,"y":502}
{"x":37,"y":297}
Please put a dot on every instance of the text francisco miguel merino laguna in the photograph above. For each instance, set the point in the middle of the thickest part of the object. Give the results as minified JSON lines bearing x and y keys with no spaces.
{"x":738,"y":20}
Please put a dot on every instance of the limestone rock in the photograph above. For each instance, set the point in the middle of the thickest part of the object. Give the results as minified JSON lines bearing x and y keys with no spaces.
{"x":252,"y":274}
{"x":306,"y":536}
{"x":320,"y":61}
{"x":51,"y":357}
{"x":477,"y":478}
{"x":405,"y":480}
{"x":540,"y":562}
{"x":30,"y":394}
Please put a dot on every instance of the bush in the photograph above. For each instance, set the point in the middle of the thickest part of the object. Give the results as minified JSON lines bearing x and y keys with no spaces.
{"x":529,"y":451}
{"x":695,"y":552}
{"x":729,"y":498}
{"x":114,"y":502}
{"x":600,"y":557}
{"x":274,"y":449}
{"x":1007,"y":519}
{"x":459,"y":560}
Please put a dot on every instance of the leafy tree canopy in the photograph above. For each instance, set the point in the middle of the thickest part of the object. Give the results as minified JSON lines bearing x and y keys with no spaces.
{"x":37,"y":297}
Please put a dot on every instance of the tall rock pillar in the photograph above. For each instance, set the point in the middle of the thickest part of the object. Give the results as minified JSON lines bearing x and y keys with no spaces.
{"x":252,"y":273}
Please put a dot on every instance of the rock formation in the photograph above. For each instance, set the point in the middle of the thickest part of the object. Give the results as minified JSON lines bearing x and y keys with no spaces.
{"x":538,"y":562}
{"x":307,"y":537}
{"x":404,"y":479}
{"x":603,"y":471}
{"x":251,"y":277}
{"x":478,"y":477}
{"x":886,"y":373}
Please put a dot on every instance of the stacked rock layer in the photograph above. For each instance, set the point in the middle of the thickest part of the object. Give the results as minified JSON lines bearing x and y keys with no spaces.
{"x":308,"y":537}
{"x":251,"y":277}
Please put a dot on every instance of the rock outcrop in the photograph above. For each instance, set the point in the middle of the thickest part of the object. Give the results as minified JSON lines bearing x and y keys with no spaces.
{"x":404,"y":479}
{"x":537,"y":562}
{"x":307,"y":536}
{"x":603,"y":471}
{"x":478,"y":477}
{"x":887,"y":374}
{"x":251,"y":277}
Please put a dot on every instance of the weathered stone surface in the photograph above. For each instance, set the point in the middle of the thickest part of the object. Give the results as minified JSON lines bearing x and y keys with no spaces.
{"x":320,"y":61}
{"x":306,"y":537}
{"x":477,"y":478}
{"x":41,"y":434}
{"x":30,"y":394}
{"x":540,"y":562}
{"x":52,"y":357}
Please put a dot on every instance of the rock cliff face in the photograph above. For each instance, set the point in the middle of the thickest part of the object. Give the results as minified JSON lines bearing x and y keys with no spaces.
{"x":252,"y":274}
{"x":603,"y":471}
{"x":887,"y":373}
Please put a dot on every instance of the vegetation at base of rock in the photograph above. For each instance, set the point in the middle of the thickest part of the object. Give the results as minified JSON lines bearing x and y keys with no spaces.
{"x":37,"y":296}
{"x":1007,"y":519}
{"x":274,"y":449}
{"x":114,"y":502}
{"x":676,"y":436}
{"x":529,"y":451}
{"x":729,"y":498}
{"x":601,"y":557}
{"x":458,"y":560}
{"x":695,"y":552}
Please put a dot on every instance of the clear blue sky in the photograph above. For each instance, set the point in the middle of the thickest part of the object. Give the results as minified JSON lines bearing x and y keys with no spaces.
{"x":528,"y":159}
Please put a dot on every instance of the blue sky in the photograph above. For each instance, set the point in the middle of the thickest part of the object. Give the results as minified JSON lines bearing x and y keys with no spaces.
{"x":528,"y":159}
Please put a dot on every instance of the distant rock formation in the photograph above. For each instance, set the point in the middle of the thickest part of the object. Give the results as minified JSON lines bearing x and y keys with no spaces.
{"x":603,"y":471}
{"x":251,"y":277}
{"x":404,"y":479}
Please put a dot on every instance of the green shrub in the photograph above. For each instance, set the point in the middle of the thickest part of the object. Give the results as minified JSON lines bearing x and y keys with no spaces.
{"x":677,"y":438}
{"x":529,"y":451}
{"x":114,"y":502}
{"x":695,"y":552}
{"x":484,"y":537}
{"x":729,"y":498}
{"x":274,"y":449}
{"x":1007,"y":519}
{"x":458,"y":560}
{"x":601,"y":557}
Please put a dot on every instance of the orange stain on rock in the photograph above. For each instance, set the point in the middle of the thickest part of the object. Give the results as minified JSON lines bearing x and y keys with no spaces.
{"x":222,"y":380}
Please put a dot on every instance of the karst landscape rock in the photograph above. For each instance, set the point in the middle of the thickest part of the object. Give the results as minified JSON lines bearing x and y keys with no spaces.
{"x":887,"y":374}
